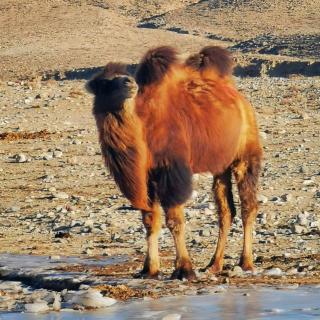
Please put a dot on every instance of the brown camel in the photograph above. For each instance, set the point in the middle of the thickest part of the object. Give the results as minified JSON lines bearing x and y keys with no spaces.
{"x":175,"y":119}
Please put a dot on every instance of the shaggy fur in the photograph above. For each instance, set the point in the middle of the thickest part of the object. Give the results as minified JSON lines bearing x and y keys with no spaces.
{"x":212,"y":57}
{"x":155,"y":65}
{"x":186,"y":118}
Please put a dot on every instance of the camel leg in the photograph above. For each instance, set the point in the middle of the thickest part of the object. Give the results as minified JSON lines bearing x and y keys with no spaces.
{"x":152,"y":223}
{"x":222,"y":188}
{"x":176,"y":224}
{"x":246,"y":174}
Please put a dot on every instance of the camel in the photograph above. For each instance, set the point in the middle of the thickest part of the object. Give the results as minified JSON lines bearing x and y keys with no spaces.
{"x":171,"y":120}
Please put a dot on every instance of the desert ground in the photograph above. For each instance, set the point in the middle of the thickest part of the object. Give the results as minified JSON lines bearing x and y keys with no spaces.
{"x":57,"y":198}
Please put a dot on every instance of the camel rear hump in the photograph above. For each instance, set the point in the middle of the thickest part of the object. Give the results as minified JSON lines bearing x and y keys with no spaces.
{"x":212,"y":57}
{"x":155,"y":64}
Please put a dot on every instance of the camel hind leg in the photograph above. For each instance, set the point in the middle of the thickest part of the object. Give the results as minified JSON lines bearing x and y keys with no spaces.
{"x":246,"y":173}
{"x":222,"y":188}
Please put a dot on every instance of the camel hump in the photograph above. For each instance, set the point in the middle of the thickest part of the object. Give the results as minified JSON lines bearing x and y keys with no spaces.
{"x":212,"y":57}
{"x":155,"y":64}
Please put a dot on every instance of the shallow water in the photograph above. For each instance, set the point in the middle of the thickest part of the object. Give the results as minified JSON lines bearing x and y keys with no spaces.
{"x":249,"y":304}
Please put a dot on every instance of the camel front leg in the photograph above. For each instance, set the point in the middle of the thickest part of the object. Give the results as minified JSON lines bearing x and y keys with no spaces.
{"x":152,"y":222}
{"x":176,"y":224}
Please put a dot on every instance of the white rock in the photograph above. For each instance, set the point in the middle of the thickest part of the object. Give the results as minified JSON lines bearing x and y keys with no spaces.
{"x":37,"y":306}
{"x":56,"y":306}
{"x":60,"y":195}
{"x":57,"y":154}
{"x":262,"y":198}
{"x":295,"y":228}
{"x":14,"y":286}
{"x":274,"y":272}
{"x":92,"y":299}
{"x":194,"y":195}
{"x":20,"y":158}
{"x":172,"y":316}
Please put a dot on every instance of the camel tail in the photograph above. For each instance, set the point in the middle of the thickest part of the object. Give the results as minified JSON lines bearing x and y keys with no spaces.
{"x":155,"y":64}
{"x":212,"y":57}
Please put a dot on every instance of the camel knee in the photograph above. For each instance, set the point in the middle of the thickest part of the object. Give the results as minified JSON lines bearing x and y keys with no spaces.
{"x":151,"y":222}
{"x":174,"y":224}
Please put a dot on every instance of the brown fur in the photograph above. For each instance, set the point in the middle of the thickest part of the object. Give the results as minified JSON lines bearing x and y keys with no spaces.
{"x":187,"y":118}
{"x":213,"y":57}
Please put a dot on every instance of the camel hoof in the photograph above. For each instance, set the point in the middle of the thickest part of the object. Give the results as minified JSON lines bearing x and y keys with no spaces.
{"x":248,"y":267}
{"x":183,"y":273}
{"x":146,"y":275}
{"x":215,"y":268}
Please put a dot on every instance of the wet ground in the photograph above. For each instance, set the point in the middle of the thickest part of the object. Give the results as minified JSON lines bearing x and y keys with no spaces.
{"x":249,"y":303}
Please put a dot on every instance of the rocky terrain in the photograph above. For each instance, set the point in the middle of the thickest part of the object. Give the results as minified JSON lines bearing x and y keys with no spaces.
{"x":57,"y":199}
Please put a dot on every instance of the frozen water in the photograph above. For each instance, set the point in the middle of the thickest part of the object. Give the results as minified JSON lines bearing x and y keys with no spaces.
{"x":260,"y":303}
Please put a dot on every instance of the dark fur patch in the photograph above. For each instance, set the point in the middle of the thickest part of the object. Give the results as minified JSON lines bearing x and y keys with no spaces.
{"x":212,"y":56}
{"x":173,"y":183}
{"x":115,"y":68}
{"x":155,"y":64}
{"x":248,"y":186}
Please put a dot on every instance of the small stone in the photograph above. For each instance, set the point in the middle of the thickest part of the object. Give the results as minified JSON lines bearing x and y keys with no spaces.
{"x":60,"y":195}
{"x":274,"y":272}
{"x":57,"y":154}
{"x":47,"y":156}
{"x":286,"y":197}
{"x":20,"y":158}
{"x":14,"y":209}
{"x":236,"y":272}
{"x":89,"y":223}
{"x":204,"y":233}
{"x":36,"y":307}
{"x":263,"y":135}
{"x":262,"y":198}
{"x":75,"y":141}
{"x":295,"y":228}
{"x":292,"y":271}
{"x":308,"y":182}
{"x":56,"y":306}
{"x":54,"y":257}
{"x":194,"y":195}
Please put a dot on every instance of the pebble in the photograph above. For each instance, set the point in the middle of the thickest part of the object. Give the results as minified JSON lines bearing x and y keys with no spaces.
{"x":20,"y":158}
{"x":56,"y":306}
{"x":236,"y":272}
{"x":47,"y":156}
{"x":57,"y":154}
{"x":287,"y":197}
{"x":262,"y":198}
{"x":205,"y":233}
{"x":36,"y":307}
{"x":295,"y":228}
{"x":13,"y":286}
{"x":274,"y":272}
{"x":60,"y":195}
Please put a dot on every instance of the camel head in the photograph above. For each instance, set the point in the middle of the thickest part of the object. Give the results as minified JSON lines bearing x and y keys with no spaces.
{"x":114,"y":89}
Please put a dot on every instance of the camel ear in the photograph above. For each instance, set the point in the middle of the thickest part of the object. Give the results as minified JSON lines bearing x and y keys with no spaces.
{"x":92,"y":86}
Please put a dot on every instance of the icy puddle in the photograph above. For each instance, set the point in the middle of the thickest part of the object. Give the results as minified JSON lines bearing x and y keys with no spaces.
{"x":257,"y":303}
